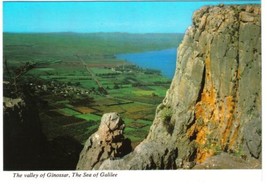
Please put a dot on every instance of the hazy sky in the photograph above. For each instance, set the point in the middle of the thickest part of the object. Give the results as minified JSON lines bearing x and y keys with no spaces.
{"x":133,"y":17}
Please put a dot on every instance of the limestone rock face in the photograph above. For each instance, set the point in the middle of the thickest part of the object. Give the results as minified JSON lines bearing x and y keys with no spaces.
{"x":214,"y":102}
{"x":107,"y":142}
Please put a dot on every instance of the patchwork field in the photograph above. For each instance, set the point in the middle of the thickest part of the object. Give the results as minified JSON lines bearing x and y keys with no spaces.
{"x":77,"y":78}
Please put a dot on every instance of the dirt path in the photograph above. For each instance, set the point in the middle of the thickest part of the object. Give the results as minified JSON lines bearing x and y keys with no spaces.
{"x":90,"y":72}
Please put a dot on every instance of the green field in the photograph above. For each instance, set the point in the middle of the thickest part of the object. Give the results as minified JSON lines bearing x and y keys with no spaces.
{"x":80,"y":79}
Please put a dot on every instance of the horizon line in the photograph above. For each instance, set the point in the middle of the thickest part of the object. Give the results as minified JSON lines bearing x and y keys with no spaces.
{"x":73,"y":32}
{"x":127,"y":0}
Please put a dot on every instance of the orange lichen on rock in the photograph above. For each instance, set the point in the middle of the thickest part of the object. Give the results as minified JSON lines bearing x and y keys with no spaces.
{"x":221,"y":114}
{"x":204,"y":154}
{"x":204,"y":110}
{"x":202,"y":135}
{"x":228,"y":120}
{"x":213,"y":111}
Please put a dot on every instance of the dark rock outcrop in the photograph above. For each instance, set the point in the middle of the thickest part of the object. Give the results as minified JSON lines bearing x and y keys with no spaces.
{"x":108,"y":142}
{"x":23,"y":138}
{"x":214,"y":102}
{"x":25,"y":145}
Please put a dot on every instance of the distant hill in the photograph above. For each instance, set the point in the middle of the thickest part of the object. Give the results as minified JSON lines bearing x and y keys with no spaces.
{"x":35,"y":45}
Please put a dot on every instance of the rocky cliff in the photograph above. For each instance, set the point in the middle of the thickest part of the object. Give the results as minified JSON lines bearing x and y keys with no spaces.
{"x":213,"y":106}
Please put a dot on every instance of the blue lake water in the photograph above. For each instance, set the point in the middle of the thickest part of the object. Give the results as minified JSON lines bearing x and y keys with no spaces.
{"x":163,"y":60}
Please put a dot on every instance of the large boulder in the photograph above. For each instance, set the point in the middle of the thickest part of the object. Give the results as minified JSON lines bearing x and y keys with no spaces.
{"x":107,"y":143}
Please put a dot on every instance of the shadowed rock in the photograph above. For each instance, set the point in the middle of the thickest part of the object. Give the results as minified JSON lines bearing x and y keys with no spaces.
{"x":23,"y":138}
{"x":25,"y":146}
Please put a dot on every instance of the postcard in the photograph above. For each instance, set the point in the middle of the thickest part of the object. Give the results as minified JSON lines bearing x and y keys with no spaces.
{"x":139,"y":91}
